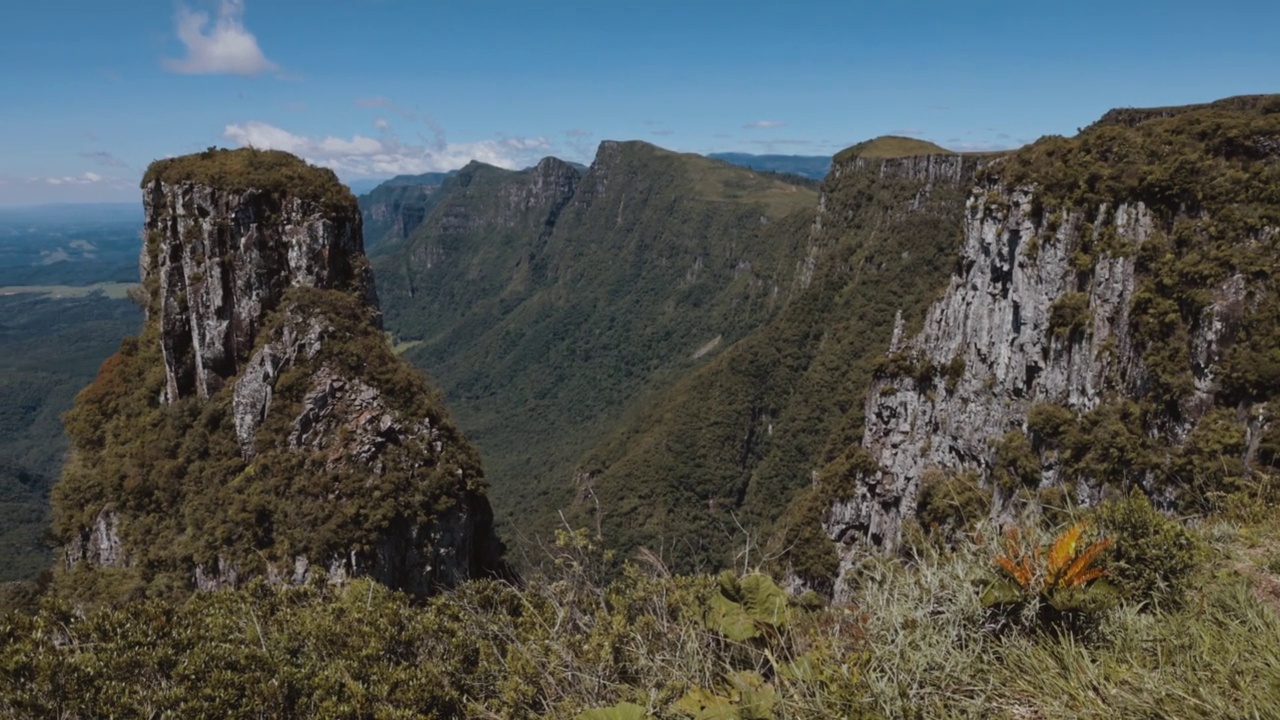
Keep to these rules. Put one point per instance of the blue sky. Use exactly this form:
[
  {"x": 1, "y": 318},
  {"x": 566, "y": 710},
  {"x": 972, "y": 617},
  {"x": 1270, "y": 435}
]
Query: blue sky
[{"x": 94, "y": 91}]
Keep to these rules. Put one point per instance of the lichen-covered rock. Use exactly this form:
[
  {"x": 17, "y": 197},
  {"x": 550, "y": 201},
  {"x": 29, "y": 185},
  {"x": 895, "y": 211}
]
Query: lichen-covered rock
[{"x": 261, "y": 426}]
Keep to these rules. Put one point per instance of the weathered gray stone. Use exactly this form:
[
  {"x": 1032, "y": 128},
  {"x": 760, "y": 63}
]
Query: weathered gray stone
[
  {"x": 995, "y": 315},
  {"x": 222, "y": 261},
  {"x": 99, "y": 544}
]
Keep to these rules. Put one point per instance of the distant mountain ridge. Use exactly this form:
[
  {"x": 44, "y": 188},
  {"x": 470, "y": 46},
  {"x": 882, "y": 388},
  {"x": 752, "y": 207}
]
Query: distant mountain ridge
[
  {"x": 392, "y": 210},
  {"x": 755, "y": 418},
  {"x": 814, "y": 167}
]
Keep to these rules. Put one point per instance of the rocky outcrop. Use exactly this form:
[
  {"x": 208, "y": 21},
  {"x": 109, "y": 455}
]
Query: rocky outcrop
[
  {"x": 286, "y": 436},
  {"x": 1040, "y": 309},
  {"x": 223, "y": 258},
  {"x": 394, "y": 210},
  {"x": 995, "y": 322},
  {"x": 99, "y": 543}
]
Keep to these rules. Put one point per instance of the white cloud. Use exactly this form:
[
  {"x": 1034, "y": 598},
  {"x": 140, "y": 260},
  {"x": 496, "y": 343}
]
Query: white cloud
[
  {"x": 759, "y": 124},
  {"x": 358, "y": 145},
  {"x": 381, "y": 124},
  {"x": 267, "y": 137},
  {"x": 223, "y": 47},
  {"x": 362, "y": 156}
]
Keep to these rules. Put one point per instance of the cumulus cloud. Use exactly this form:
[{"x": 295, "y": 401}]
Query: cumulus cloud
[
  {"x": 381, "y": 124},
  {"x": 221, "y": 46},
  {"x": 362, "y": 156},
  {"x": 104, "y": 158},
  {"x": 764, "y": 124}
]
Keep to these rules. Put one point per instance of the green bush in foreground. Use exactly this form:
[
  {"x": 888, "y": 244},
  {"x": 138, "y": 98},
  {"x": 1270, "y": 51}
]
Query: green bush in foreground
[
  {"x": 1153, "y": 557},
  {"x": 910, "y": 640}
]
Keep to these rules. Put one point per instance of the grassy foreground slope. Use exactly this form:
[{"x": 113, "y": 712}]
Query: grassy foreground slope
[{"x": 915, "y": 640}]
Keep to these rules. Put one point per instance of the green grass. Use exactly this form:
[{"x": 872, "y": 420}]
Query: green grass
[
  {"x": 274, "y": 171},
  {"x": 910, "y": 640},
  {"x": 719, "y": 181},
  {"x": 891, "y": 146},
  {"x": 933, "y": 651}
]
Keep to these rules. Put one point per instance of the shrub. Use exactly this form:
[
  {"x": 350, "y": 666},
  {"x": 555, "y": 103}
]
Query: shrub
[
  {"x": 1048, "y": 423},
  {"x": 950, "y": 503},
  {"x": 1153, "y": 557},
  {"x": 953, "y": 371},
  {"x": 1069, "y": 315},
  {"x": 1209, "y": 466},
  {"x": 1016, "y": 462}
]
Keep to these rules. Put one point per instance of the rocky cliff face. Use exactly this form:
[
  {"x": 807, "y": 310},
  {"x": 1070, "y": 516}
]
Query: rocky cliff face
[
  {"x": 995, "y": 323},
  {"x": 260, "y": 426},
  {"x": 394, "y": 209},
  {"x": 1087, "y": 341},
  {"x": 223, "y": 260}
]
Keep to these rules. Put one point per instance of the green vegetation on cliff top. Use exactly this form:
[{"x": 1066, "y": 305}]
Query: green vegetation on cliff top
[
  {"x": 273, "y": 171},
  {"x": 914, "y": 640},
  {"x": 890, "y": 146}
]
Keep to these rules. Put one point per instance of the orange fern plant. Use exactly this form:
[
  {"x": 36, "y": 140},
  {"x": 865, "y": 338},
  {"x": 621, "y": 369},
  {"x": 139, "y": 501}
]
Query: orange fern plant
[{"x": 1056, "y": 573}]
